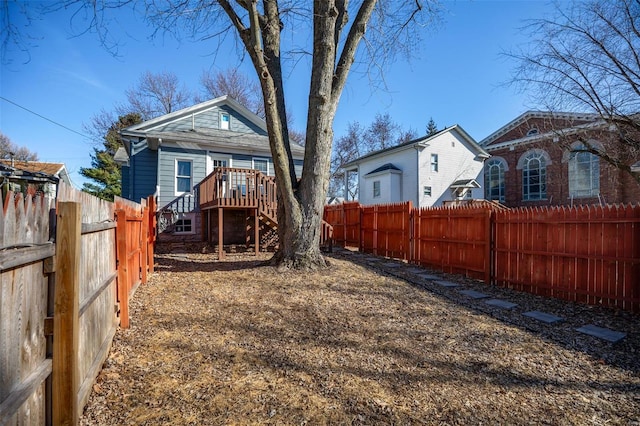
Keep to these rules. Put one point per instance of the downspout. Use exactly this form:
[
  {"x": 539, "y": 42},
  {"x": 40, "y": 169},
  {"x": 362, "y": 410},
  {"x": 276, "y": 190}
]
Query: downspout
[
  {"x": 132, "y": 160},
  {"x": 158, "y": 168},
  {"x": 417, "y": 148}
]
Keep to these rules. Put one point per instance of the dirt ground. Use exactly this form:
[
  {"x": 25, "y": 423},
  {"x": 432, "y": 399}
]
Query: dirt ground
[{"x": 235, "y": 342}]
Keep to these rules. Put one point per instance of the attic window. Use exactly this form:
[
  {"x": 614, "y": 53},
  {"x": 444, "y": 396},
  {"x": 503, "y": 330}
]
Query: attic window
[
  {"x": 224, "y": 121},
  {"x": 532, "y": 131}
]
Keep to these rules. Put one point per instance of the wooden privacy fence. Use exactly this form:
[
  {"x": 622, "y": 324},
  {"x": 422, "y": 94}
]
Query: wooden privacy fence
[
  {"x": 59, "y": 302},
  {"x": 456, "y": 241},
  {"x": 583, "y": 254},
  {"x": 385, "y": 230},
  {"x": 135, "y": 238}
]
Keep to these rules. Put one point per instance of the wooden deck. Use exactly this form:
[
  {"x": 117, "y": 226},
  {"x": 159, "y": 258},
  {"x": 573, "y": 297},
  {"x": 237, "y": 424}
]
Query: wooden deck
[
  {"x": 229, "y": 187},
  {"x": 234, "y": 188}
]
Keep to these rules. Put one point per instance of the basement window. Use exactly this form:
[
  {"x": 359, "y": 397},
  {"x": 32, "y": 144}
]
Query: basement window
[{"x": 184, "y": 225}]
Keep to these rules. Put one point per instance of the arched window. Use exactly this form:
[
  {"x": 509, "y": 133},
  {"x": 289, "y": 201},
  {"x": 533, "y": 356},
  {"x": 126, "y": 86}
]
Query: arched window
[
  {"x": 584, "y": 172},
  {"x": 534, "y": 175},
  {"x": 494, "y": 179}
]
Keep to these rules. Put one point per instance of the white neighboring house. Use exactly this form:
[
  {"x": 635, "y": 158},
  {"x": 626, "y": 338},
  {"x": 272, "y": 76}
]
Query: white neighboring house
[{"x": 428, "y": 171}]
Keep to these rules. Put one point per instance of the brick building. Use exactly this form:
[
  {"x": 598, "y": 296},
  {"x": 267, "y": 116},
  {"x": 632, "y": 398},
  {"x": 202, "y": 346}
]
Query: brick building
[{"x": 538, "y": 159}]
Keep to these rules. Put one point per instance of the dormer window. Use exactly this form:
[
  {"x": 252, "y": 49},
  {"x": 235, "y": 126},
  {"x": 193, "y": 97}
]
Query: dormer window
[{"x": 532, "y": 131}]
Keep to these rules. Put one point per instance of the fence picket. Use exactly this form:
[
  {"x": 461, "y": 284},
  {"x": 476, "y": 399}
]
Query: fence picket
[{"x": 587, "y": 254}]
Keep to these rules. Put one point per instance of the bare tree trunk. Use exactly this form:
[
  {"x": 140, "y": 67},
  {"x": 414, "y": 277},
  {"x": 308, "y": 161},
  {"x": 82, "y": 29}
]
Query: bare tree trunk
[{"x": 301, "y": 205}]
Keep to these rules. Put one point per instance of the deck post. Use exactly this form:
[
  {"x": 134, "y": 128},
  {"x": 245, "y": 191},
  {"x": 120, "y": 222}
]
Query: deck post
[
  {"x": 220, "y": 234},
  {"x": 256, "y": 230}
]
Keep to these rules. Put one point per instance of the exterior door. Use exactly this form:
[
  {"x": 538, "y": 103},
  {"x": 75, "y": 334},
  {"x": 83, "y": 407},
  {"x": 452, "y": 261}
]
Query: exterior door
[{"x": 217, "y": 160}]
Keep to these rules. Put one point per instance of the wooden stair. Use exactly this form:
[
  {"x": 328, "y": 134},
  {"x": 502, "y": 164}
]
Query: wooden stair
[
  {"x": 236, "y": 188},
  {"x": 268, "y": 232}
]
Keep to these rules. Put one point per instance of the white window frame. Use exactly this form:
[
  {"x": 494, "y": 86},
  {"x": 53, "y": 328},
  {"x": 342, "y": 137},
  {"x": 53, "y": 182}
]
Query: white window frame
[
  {"x": 434, "y": 163},
  {"x": 176, "y": 176},
  {"x": 192, "y": 224},
  {"x": 377, "y": 192},
  {"x": 501, "y": 166},
  {"x": 222, "y": 115},
  {"x": 214, "y": 156},
  {"x": 542, "y": 176},
  {"x": 427, "y": 191},
  {"x": 253, "y": 164},
  {"x": 593, "y": 171}
]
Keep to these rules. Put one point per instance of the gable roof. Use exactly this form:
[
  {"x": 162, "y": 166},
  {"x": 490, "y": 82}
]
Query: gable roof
[
  {"x": 34, "y": 171},
  {"x": 156, "y": 130},
  {"x": 423, "y": 141},
  {"x": 524, "y": 117},
  {"x": 186, "y": 112},
  {"x": 52, "y": 169},
  {"x": 465, "y": 183}
]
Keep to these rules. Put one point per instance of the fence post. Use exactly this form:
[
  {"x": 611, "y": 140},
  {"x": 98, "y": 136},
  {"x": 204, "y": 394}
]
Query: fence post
[
  {"x": 151, "y": 202},
  {"x": 409, "y": 240},
  {"x": 65, "y": 381},
  {"x": 144, "y": 243},
  {"x": 489, "y": 252},
  {"x": 360, "y": 231},
  {"x": 123, "y": 266}
]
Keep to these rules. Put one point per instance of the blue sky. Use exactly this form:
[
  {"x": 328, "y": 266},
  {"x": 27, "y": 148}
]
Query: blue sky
[{"x": 457, "y": 77}]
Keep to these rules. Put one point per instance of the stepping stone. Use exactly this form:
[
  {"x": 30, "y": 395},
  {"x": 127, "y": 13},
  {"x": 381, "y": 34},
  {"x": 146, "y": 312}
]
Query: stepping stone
[
  {"x": 474, "y": 294},
  {"x": 414, "y": 270},
  {"x": 501, "y": 303},
  {"x": 371, "y": 259},
  {"x": 430, "y": 277},
  {"x": 602, "y": 333},
  {"x": 446, "y": 283},
  {"x": 543, "y": 316},
  {"x": 391, "y": 265}
]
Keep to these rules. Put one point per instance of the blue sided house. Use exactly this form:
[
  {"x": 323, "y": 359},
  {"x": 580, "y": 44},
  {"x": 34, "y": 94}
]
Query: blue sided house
[{"x": 210, "y": 166}]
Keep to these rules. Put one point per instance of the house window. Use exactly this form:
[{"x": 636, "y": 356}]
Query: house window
[
  {"x": 261, "y": 165},
  {"x": 183, "y": 176},
  {"x": 532, "y": 131},
  {"x": 434, "y": 162},
  {"x": 463, "y": 194},
  {"x": 184, "y": 225},
  {"x": 219, "y": 163},
  {"x": 426, "y": 191},
  {"x": 494, "y": 183},
  {"x": 225, "y": 119},
  {"x": 376, "y": 188},
  {"x": 534, "y": 176},
  {"x": 584, "y": 173}
]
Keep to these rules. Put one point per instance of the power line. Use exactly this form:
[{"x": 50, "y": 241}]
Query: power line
[{"x": 45, "y": 118}]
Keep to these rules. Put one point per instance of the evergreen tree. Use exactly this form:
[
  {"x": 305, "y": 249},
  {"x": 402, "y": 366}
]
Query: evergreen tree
[
  {"x": 105, "y": 172},
  {"x": 432, "y": 128}
]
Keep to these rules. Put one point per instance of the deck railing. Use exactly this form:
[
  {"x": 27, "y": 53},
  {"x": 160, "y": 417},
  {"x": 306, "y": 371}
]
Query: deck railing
[
  {"x": 246, "y": 188},
  {"x": 241, "y": 188}
]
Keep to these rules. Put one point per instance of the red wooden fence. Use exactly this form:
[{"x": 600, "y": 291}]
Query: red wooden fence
[
  {"x": 386, "y": 230},
  {"x": 352, "y": 218},
  {"x": 334, "y": 215},
  {"x": 453, "y": 240},
  {"x": 135, "y": 238},
  {"x": 583, "y": 254}
]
